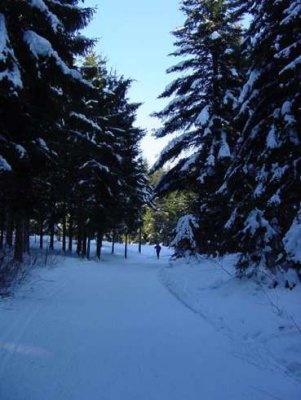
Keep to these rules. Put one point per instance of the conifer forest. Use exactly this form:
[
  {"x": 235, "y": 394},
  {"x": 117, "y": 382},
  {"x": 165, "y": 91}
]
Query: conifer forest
[
  {"x": 70, "y": 157},
  {"x": 127, "y": 275}
]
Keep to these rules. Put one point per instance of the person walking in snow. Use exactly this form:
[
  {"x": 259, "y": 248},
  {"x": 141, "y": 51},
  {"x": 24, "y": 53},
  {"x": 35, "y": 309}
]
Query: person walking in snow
[{"x": 158, "y": 249}]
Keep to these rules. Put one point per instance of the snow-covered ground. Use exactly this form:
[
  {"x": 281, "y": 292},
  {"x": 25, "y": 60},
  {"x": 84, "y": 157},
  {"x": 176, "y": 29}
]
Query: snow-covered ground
[
  {"x": 147, "y": 329},
  {"x": 264, "y": 323}
]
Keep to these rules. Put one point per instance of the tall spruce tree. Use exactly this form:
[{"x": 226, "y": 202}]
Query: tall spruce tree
[
  {"x": 201, "y": 111},
  {"x": 135, "y": 190},
  {"x": 264, "y": 178},
  {"x": 39, "y": 42}
]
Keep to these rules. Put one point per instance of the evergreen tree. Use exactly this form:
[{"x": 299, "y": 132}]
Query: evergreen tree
[
  {"x": 39, "y": 42},
  {"x": 201, "y": 112},
  {"x": 264, "y": 178},
  {"x": 160, "y": 219},
  {"x": 184, "y": 241},
  {"x": 135, "y": 190}
]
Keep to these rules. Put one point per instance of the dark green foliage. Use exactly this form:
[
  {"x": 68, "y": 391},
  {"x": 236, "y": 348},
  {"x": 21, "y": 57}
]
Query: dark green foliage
[
  {"x": 202, "y": 110},
  {"x": 160, "y": 220},
  {"x": 267, "y": 165},
  {"x": 236, "y": 110},
  {"x": 69, "y": 151}
]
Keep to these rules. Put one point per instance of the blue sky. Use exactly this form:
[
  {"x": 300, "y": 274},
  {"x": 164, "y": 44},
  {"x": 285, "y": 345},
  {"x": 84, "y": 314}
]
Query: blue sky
[{"x": 135, "y": 37}]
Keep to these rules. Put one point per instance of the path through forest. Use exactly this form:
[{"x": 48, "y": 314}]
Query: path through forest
[{"x": 112, "y": 331}]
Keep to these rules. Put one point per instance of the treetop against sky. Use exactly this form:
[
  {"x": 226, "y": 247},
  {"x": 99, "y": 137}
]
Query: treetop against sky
[{"x": 135, "y": 36}]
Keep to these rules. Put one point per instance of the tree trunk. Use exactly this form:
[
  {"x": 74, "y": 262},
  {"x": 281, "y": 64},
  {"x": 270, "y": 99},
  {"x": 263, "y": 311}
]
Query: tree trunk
[
  {"x": 2, "y": 227},
  {"x": 9, "y": 229},
  {"x": 88, "y": 248},
  {"x": 19, "y": 239},
  {"x": 26, "y": 238},
  {"x": 64, "y": 233},
  {"x": 113, "y": 241},
  {"x": 79, "y": 242},
  {"x": 140, "y": 239},
  {"x": 84, "y": 249},
  {"x": 1, "y": 237},
  {"x": 70, "y": 234},
  {"x": 126, "y": 246},
  {"x": 51, "y": 229},
  {"x": 99, "y": 244},
  {"x": 41, "y": 233}
]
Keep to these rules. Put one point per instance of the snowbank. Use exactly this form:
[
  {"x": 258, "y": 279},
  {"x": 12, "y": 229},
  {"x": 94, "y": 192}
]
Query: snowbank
[{"x": 264, "y": 323}]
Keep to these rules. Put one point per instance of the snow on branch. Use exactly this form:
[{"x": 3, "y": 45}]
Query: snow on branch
[
  {"x": 203, "y": 117},
  {"x": 4, "y": 165},
  {"x": 292, "y": 65},
  {"x": 190, "y": 162},
  {"x": 292, "y": 239},
  {"x": 88, "y": 121},
  {"x": 185, "y": 239},
  {"x": 7, "y": 56},
  {"x": 41, "y": 47},
  {"x": 255, "y": 222},
  {"x": 173, "y": 149},
  {"x": 97, "y": 165},
  {"x": 41, "y": 6},
  {"x": 249, "y": 86},
  {"x": 292, "y": 12}
]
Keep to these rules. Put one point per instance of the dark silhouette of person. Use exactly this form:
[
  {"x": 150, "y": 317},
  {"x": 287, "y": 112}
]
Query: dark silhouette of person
[{"x": 158, "y": 249}]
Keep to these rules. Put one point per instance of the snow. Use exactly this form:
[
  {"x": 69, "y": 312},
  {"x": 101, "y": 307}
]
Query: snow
[
  {"x": 292, "y": 239},
  {"x": 278, "y": 171},
  {"x": 40, "y": 5},
  {"x": 178, "y": 66},
  {"x": 224, "y": 150},
  {"x": 204, "y": 116},
  {"x": 275, "y": 200},
  {"x": 259, "y": 190},
  {"x": 13, "y": 75},
  {"x": 256, "y": 221},
  {"x": 95, "y": 164},
  {"x": 262, "y": 324},
  {"x": 41, "y": 142},
  {"x": 41, "y": 47},
  {"x": 248, "y": 87},
  {"x": 229, "y": 97},
  {"x": 184, "y": 231},
  {"x": 4, "y": 165},
  {"x": 210, "y": 161},
  {"x": 215, "y": 35},
  {"x": 229, "y": 51},
  {"x": 286, "y": 111},
  {"x": 173, "y": 148},
  {"x": 272, "y": 141},
  {"x": 83, "y": 118},
  {"x": 234, "y": 72},
  {"x": 190, "y": 162},
  {"x": 231, "y": 221},
  {"x": 148, "y": 329},
  {"x": 292, "y": 12},
  {"x": 292, "y": 65},
  {"x": 20, "y": 149}
]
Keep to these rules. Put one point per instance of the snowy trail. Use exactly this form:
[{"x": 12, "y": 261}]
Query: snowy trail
[{"x": 112, "y": 331}]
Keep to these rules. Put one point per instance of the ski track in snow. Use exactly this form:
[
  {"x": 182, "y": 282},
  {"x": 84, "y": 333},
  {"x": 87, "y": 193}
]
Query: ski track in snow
[
  {"x": 112, "y": 331},
  {"x": 246, "y": 348}
]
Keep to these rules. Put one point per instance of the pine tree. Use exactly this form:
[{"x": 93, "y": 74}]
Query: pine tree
[
  {"x": 40, "y": 43},
  {"x": 134, "y": 191},
  {"x": 201, "y": 111},
  {"x": 161, "y": 217},
  {"x": 184, "y": 242},
  {"x": 265, "y": 176}
]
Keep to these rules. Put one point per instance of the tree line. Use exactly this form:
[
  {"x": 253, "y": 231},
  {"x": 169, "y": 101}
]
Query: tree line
[
  {"x": 235, "y": 110},
  {"x": 69, "y": 147}
]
